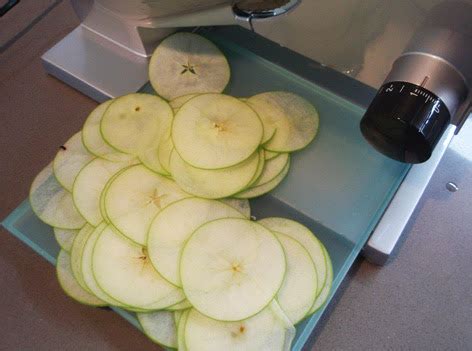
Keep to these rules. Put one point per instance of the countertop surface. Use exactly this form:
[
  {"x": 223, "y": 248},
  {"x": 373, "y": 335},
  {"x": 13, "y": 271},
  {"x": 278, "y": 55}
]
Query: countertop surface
[{"x": 421, "y": 300}]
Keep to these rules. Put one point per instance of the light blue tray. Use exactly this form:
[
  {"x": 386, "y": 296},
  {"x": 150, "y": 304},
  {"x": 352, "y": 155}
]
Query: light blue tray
[{"x": 338, "y": 186}]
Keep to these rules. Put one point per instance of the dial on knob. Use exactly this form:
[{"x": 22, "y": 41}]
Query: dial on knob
[{"x": 405, "y": 121}]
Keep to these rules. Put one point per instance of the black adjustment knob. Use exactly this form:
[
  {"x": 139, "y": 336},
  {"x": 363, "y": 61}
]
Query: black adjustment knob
[{"x": 405, "y": 121}]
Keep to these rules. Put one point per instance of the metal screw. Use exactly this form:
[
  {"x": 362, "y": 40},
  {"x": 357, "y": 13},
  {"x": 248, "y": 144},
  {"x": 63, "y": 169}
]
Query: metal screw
[{"x": 452, "y": 187}]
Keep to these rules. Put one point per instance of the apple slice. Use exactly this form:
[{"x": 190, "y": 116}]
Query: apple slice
[
  {"x": 213, "y": 131},
  {"x": 89, "y": 184},
  {"x": 52, "y": 203},
  {"x": 164, "y": 152},
  {"x": 135, "y": 122},
  {"x": 92, "y": 137},
  {"x": 294, "y": 119},
  {"x": 70, "y": 286},
  {"x": 215, "y": 183},
  {"x": 87, "y": 271},
  {"x": 76, "y": 254},
  {"x": 324, "y": 293},
  {"x": 150, "y": 158},
  {"x": 266, "y": 331},
  {"x": 69, "y": 160},
  {"x": 260, "y": 168},
  {"x": 271, "y": 117},
  {"x": 272, "y": 169},
  {"x": 65, "y": 237},
  {"x": 103, "y": 211},
  {"x": 134, "y": 198},
  {"x": 256, "y": 191},
  {"x": 232, "y": 268},
  {"x": 298, "y": 291},
  {"x": 265, "y": 114},
  {"x": 160, "y": 327},
  {"x": 181, "y": 345},
  {"x": 173, "y": 226},
  {"x": 186, "y": 63},
  {"x": 305, "y": 237},
  {"x": 123, "y": 270}
]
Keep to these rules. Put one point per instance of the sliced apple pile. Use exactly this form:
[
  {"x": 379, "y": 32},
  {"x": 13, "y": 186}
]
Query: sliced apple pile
[
  {"x": 149, "y": 206},
  {"x": 216, "y": 138}
]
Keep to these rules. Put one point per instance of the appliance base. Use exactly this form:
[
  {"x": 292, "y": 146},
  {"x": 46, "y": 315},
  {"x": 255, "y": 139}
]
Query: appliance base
[{"x": 96, "y": 66}]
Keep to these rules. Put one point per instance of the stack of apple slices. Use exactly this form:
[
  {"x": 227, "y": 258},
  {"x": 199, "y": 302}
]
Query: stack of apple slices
[
  {"x": 235, "y": 272},
  {"x": 149, "y": 205},
  {"x": 168, "y": 256},
  {"x": 202, "y": 263},
  {"x": 223, "y": 146}
]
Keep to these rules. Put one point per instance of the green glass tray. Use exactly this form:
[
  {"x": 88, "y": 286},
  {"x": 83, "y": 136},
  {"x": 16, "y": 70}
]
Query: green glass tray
[{"x": 338, "y": 186}]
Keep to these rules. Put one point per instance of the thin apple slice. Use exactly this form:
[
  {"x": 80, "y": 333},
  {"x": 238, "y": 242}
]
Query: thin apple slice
[
  {"x": 260, "y": 168},
  {"x": 52, "y": 203},
  {"x": 272, "y": 169},
  {"x": 215, "y": 183},
  {"x": 103, "y": 211},
  {"x": 181, "y": 345},
  {"x": 174, "y": 225},
  {"x": 150, "y": 158},
  {"x": 187, "y": 63},
  {"x": 264, "y": 113},
  {"x": 134, "y": 198},
  {"x": 76, "y": 254},
  {"x": 123, "y": 270},
  {"x": 298, "y": 291},
  {"x": 69, "y": 160},
  {"x": 294, "y": 119},
  {"x": 305, "y": 237},
  {"x": 102, "y": 197},
  {"x": 232, "y": 268},
  {"x": 256, "y": 191},
  {"x": 213, "y": 131},
  {"x": 160, "y": 327},
  {"x": 164, "y": 152},
  {"x": 93, "y": 140},
  {"x": 70, "y": 286},
  {"x": 65, "y": 237},
  {"x": 87, "y": 270},
  {"x": 266, "y": 331},
  {"x": 135, "y": 122},
  {"x": 89, "y": 185},
  {"x": 324, "y": 293},
  {"x": 271, "y": 117}
]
